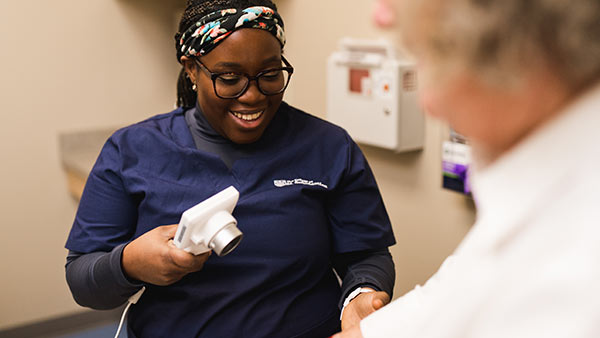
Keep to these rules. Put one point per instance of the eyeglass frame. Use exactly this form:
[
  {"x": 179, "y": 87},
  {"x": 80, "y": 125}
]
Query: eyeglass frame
[{"x": 213, "y": 76}]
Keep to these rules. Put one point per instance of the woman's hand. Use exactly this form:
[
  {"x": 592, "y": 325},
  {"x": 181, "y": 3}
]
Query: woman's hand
[
  {"x": 362, "y": 306},
  {"x": 154, "y": 259}
]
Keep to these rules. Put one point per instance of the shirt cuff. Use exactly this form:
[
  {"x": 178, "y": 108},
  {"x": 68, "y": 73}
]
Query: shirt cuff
[{"x": 115, "y": 266}]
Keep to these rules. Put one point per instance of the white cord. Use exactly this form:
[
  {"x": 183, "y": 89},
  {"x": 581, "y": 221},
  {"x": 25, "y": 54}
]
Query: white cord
[
  {"x": 122, "y": 319},
  {"x": 132, "y": 300}
]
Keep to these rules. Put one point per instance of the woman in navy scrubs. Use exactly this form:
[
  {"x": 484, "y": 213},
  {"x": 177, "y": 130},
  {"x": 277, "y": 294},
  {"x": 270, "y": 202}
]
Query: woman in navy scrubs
[{"x": 309, "y": 204}]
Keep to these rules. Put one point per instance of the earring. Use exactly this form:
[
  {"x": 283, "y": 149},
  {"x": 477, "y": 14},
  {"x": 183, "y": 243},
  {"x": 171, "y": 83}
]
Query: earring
[{"x": 194, "y": 87}]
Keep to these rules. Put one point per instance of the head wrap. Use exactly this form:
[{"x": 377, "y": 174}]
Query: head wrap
[{"x": 206, "y": 34}]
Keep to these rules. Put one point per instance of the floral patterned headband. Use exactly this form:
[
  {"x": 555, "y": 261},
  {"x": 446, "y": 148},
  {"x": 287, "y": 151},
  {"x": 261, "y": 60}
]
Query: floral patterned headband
[{"x": 206, "y": 34}]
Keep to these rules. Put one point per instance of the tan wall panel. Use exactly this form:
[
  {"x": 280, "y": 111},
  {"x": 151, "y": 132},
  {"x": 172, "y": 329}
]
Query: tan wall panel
[{"x": 66, "y": 65}]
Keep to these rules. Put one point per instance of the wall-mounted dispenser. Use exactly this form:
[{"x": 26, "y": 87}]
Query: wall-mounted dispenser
[{"x": 373, "y": 95}]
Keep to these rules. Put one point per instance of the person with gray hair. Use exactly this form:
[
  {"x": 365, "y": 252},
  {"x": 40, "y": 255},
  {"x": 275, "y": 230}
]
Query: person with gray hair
[{"x": 521, "y": 80}]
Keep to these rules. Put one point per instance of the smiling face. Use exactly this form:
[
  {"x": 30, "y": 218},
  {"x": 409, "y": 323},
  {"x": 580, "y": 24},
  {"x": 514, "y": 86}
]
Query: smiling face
[{"x": 244, "y": 119}]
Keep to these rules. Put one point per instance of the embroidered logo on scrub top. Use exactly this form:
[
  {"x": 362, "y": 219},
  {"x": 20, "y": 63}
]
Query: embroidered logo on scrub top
[{"x": 300, "y": 181}]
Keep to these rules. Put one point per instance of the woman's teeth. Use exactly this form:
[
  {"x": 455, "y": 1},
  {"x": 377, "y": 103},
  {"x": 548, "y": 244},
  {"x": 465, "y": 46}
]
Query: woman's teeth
[{"x": 247, "y": 117}]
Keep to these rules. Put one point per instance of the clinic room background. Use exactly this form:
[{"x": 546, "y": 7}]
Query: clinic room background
[{"x": 76, "y": 66}]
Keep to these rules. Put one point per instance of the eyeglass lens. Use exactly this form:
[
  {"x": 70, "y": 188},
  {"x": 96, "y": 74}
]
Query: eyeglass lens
[{"x": 269, "y": 83}]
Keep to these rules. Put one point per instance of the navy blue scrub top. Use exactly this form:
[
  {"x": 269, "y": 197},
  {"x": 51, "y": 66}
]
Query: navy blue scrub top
[{"x": 306, "y": 193}]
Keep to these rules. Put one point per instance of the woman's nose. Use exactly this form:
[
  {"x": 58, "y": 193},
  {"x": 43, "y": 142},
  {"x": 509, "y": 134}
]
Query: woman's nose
[{"x": 252, "y": 94}]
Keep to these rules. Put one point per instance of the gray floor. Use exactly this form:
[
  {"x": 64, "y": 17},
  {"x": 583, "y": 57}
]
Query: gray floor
[
  {"x": 102, "y": 331},
  {"x": 86, "y": 324}
]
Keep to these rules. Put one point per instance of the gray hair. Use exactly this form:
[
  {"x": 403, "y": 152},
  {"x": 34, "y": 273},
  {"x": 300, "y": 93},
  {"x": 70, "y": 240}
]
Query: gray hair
[{"x": 500, "y": 38}]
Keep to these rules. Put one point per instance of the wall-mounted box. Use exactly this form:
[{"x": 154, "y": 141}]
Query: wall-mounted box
[{"x": 373, "y": 95}]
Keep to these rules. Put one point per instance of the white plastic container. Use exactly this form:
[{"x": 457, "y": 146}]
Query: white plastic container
[{"x": 373, "y": 95}]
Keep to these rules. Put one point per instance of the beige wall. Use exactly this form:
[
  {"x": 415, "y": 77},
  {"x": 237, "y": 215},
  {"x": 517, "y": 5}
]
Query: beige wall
[
  {"x": 428, "y": 221},
  {"x": 73, "y": 65},
  {"x": 66, "y": 65}
]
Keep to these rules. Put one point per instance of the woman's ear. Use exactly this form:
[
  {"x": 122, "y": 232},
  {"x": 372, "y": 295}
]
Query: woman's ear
[{"x": 190, "y": 68}]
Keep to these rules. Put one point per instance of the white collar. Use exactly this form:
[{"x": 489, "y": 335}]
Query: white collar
[{"x": 536, "y": 169}]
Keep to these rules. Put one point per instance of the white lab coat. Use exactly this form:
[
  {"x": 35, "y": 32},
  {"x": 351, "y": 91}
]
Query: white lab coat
[{"x": 530, "y": 266}]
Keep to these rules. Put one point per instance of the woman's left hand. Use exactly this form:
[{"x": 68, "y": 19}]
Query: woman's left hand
[{"x": 362, "y": 306}]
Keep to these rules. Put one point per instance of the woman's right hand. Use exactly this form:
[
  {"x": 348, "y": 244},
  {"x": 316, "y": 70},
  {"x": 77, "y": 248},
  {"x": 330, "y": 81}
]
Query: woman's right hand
[{"x": 154, "y": 259}]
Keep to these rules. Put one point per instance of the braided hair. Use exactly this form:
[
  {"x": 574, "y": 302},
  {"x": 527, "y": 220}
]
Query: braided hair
[{"x": 196, "y": 9}]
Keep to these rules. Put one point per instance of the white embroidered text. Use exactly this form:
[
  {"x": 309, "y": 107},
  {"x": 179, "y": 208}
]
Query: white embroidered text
[{"x": 300, "y": 181}]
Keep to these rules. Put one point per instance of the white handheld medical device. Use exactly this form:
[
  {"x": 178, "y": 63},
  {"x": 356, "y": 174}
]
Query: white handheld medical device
[{"x": 209, "y": 225}]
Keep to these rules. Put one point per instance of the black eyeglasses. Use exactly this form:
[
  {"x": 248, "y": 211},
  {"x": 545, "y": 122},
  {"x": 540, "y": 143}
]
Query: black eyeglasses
[{"x": 231, "y": 85}]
